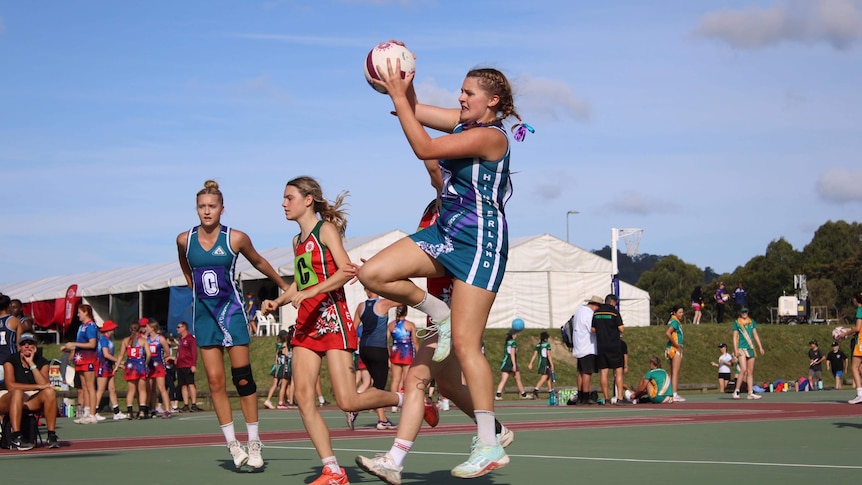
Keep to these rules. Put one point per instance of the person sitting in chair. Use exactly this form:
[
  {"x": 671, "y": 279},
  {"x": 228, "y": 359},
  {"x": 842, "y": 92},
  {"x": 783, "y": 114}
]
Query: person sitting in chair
[{"x": 27, "y": 389}]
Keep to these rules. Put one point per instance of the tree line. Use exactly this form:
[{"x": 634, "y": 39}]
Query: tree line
[{"x": 831, "y": 262}]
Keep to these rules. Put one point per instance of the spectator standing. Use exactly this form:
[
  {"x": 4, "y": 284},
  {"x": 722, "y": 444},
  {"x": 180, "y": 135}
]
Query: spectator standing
[
  {"x": 815, "y": 365},
  {"x": 724, "y": 363},
  {"x": 156, "y": 371},
  {"x": 744, "y": 338},
  {"x": 251, "y": 308},
  {"x": 740, "y": 297},
  {"x": 673, "y": 349},
  {"x": 402, "y": 334},
  {"x": 584, "y": 346},
  {"x": 105, "y": 373},
  {"x": 10, "y": 326},
  {"x": 373, "y": 349},
  {"x": 697, "y": 305},
  {"x": 27, "y": 389},
  {"x": 836, "y": 361},
  {"x": 856, "y": 359},
  {"x": 721, "y": 298},
  {"x": 134, "y": 358},
  {"x": 86, "y": 360},
  {"x": 608, "y": 327},
  {"x": 187, "y": 366}
]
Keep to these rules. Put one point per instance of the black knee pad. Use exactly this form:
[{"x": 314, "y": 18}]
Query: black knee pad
[{"x": 243, "y": 380}]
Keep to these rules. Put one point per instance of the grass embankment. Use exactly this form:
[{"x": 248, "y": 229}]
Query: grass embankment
[{"x": 786, "y": 355}]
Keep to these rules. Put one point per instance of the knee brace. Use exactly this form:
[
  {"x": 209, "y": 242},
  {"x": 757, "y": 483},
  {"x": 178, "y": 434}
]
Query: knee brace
[{"x": 243, "y": 380}]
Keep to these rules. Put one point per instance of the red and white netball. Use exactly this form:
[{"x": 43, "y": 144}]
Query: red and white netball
[{"x": 380, "y": 54}]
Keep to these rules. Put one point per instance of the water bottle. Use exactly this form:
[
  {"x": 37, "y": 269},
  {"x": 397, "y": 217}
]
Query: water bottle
[
  {"x": 819, "y": 385},
  {"x": 71, "y": 410},
  {"x": 771, "y": 388},
  {"x": 552, "y": 398},
  {"x": 62, "y": 410},
  {"x": 553, "y": 376}
]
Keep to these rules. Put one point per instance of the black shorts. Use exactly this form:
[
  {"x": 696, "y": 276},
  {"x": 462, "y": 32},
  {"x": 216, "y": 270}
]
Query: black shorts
[
  {"x": 376, "y": 360},
  {"x": 587, "y": 364},
  {"x": 610, "y": 361},
  {"x": 724, "y": 375},
  {"x": 185, "y": 376}
]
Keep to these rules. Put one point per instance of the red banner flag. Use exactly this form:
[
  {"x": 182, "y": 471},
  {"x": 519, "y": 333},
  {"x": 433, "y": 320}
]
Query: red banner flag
[{"x": 68, "y": 316}]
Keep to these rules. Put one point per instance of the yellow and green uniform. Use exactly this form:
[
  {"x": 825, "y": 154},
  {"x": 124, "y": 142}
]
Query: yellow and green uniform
[
  {"x": 661, "y": 388},
  {"x": 745, "y": 327},
  {"x": 669, "y": 350}
]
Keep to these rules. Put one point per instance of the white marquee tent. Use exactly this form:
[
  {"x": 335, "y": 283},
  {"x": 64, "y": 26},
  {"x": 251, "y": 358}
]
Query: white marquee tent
[{"x": 546, "y": 279}]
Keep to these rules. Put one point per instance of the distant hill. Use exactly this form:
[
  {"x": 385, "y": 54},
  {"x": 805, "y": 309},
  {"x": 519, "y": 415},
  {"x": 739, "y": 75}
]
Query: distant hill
[{"x": 631, "y": 268}]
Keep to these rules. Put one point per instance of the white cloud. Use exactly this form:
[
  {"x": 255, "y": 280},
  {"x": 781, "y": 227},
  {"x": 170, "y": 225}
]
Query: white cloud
[
  {"x": 263, "y": 86},
  {"x": 550, "y": 98},
  {"x": 836, "y": 22},
  {"x": 637, "y": 203},
  {"x": 840, "y": 185},
  {"x": 429, "y": 92}
]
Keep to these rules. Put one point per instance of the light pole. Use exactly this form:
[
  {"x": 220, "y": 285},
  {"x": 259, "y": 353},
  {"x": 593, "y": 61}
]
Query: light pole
[{"x": 567, "y": 222}]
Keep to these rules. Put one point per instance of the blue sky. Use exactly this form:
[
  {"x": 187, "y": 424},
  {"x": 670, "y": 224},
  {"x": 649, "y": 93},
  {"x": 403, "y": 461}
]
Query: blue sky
[{"x": 715, "y": 127}]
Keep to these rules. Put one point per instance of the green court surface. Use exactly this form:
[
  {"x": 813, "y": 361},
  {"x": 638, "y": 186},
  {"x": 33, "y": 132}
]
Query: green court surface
[{"x": 710, "y": 439}]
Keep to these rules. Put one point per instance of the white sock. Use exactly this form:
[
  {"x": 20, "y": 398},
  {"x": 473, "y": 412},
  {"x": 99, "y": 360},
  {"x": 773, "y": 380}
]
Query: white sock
[
  {"x": 400, "y": 399},
  {"x": 228, "y": 432},
  {"x": 332, "y": 463},
  {"x": 320, "y": 399},
  {"x": 859, "y": 391},
  {"x": 485, "y": 427},
  {"x": 433, "y": 307},
  {"x": 399, "y": 451},
  {"x": 253, "y": 431}
]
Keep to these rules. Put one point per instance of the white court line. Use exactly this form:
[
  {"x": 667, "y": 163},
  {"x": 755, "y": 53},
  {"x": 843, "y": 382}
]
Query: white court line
[{"x": 595, "y": 458}]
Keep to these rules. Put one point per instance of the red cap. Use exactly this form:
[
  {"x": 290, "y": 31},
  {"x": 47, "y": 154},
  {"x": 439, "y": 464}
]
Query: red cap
[
  {"x": 108, "y": 325},
  {"x": 143, "y": 321}
]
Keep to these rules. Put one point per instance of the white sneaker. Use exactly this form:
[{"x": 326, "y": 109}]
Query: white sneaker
[
  {"x": 268, "y": 404},
  {"x": 99, "y": 417},
  {"x": 506, "y": 436},
  {"x": 678, "y": 398},
  {"x": 736, "y": 395},
  {"x": 754, "y": 396},
  {"x": 382, "y": 467},
  {"x": 120, "y": 416},
  {"x": 255, "y": 460},
  {"x": 855, "y": 400},
  {"x": 240, "y": 457}
]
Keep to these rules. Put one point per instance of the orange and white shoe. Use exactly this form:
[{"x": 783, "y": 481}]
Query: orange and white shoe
[{"x": 328, "y": 477}]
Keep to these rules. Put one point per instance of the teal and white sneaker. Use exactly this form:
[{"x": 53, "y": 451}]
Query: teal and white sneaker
[
  {"x": 444, "y": 340},
  {"x": 382, "y": 467},
  {"x": 483, "y": 459},
  {"x": 505, "y": 437}
]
